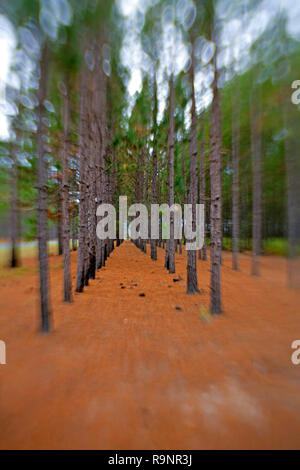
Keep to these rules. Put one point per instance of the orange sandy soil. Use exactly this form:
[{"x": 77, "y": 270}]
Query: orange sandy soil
[{"x": 121, "y": 371}]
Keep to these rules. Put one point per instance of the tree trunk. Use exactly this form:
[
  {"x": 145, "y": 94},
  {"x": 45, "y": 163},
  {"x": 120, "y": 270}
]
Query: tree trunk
[
  {"x": 42, "y": 198},
  {"x": 14, "y": 212},
  {"x": 202, "y": 186},
  {"x": 216, "y": 199},
  {"x": 255, "y": 110},
  {"x": 235, "y": 176},
  {"x": 65, "y": 199},
  {"x": 186, "y": 196},
  {"x": 171, "y": 245},
  {"x": 92, "y": 189},
  {"x": 141, "y": 188},
  {"x": 82, "y": 235},
  {"x": 154, "y": 163},
  {"x": 59, "y": 222},
  {"x": 192, "y": 281},
  {"x": 100, "y": 111}
]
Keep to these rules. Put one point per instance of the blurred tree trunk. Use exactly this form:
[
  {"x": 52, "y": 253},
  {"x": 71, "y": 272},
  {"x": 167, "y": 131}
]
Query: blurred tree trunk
[
  {"x": 100, "y": 111},
  {"x": 183, "y": 166},
  {"x": 14, "y": 211},
  {"x": 83, "y": 220},
  {"x": 113, "y": 186},
  {"x": 92, "y": 179},
  {"x": 202, "y": 186},
  {"x": 42, "y": 197},
  {"x": 139, "y": 177},
  {"x": 192, "y": 281},
  {"x": 110, "y": 158},
  {"x": 59, "y": 231},
  {"x": 255, "y": 117},
  {"x": 235, "y": 175},
  {"x": 142, "y": 190},
  {"x": 65, "y": 198},
  {"x": 59, "y": 228},
  {"x": 186, "y": 195},
  {"x": 74, "y": 208},
  {"x": 170, "y": 254},
  {"x": 154, "y": 161},
  {"x": 216, "y": 198}
]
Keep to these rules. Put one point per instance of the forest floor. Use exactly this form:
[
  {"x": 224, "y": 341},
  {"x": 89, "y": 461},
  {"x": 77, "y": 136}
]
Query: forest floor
[{"x": 125, "y": 371}]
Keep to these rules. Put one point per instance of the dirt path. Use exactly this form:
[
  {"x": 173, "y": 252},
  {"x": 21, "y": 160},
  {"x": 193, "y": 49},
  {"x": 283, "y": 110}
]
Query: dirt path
[{"x": 124, "y": 371}]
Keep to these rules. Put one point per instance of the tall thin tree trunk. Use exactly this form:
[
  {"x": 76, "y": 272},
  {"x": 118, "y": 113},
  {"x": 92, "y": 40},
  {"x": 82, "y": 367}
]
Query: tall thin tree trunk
[
  {"x": 171, "y": 244},
  {"x": 139, "y": 182},
  {"x": 113, "y": 178},
  {"x": 202, "y": 184},
  {"x": 154, "y": 162},
  {"x": 199, "y": 188},
  {"x": 14, "y": 212},
  {"x": 92, "y": 188},
  {"x": 87, "y": 234},
  {"x": 82, "y": 235},
  {"x": 73, "y": 209},
  {"x": 100, "y": 110},
  {"x": 216, "y": 199},
  {"x": 185, "y": 196},
  {"x": 255, "y": 110},
  {"x": 59, "y": 236},
  {"x": 141, "y": 191},
  {"x": 235, "y": 176},
  {"x": 184, "y": 169},
  {"x": 59, "y": 221},
  {"x": 192, "y": 281},
  {"x": 65, "y": 199},
  {"x": 42, "y": 197},
  {"x": 109, "y": 157}
]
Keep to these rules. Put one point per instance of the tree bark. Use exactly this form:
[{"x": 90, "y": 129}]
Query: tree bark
[
  {"x": 100, "y": 112},
  {"x": 216, "y": 199},
  {"x": 59, "y": 222},
  {"x": 192, "y": 281},
  {"x": 65, "y": 199},
  {"x": 235, "y": 176},
  {"x": 82, "y": 235},
  {"x": 255, "y": 110},
  {"x": 14, "y": 212},
  {"x": 139, "y": 185},
  {"x": 171, "y": 244},
  {"x": 154, "y": 162},
  {"x": 42, "y": 198},
  {"x": 92, "y": 183},
  {"x": 202, "y": 186},
  {"x": 59, "y": 233}
]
